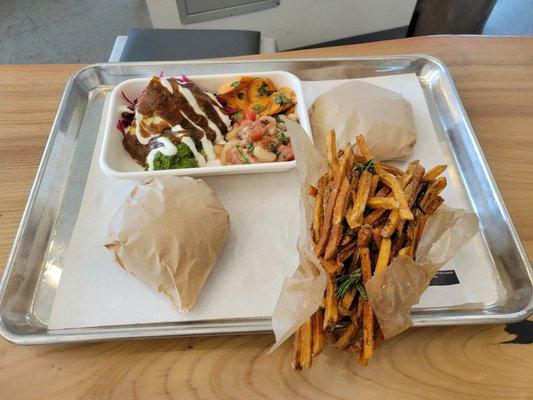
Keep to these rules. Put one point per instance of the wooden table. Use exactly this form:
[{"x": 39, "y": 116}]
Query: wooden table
[{"x": 494, "y": 76}]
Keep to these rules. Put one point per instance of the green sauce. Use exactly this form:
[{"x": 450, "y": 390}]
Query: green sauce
[{"x": 184, "y": 158}]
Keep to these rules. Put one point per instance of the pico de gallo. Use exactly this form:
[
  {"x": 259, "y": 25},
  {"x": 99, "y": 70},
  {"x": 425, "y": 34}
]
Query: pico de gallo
[{"x": 256, "y": 139}]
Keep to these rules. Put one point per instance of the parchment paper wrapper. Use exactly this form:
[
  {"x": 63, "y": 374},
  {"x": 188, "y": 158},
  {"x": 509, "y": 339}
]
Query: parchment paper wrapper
[
  {"x": 384, "y": 118},
  {"x": 169, "y": 234},
  {"x": 392, "y": 292}
]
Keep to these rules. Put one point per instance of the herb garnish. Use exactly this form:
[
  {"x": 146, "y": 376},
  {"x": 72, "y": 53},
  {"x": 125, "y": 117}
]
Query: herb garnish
[
  {"x": 250, "y": 147},
  {"x": 258, "y": 108},
  {"x": 347, "y": 282},
  {"x": 235, "y": 84},
  {"x": 237, "y": 116},
  {"x": 350, "y": 232},
  {"x": 281, "y": 99},
  {"x": 243, "y": 159},
  {"x": 272, "y": 148},
  {"x": 183, "y": 158},
  {"x": 368, "y": 166},
  {"x": 263, "y": 90},
  {"x": 282, "y": 138}
]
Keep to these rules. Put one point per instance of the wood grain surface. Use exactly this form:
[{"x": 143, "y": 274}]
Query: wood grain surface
[{"x": 494, "y": 76}]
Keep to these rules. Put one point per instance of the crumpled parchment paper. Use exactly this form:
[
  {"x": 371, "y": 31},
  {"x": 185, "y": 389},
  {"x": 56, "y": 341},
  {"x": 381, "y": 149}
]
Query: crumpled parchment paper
[
  {"x": 394, "y": 291},
  {"x": 169, "y": 234}
]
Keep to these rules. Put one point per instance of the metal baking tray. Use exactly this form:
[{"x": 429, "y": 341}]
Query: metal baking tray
[{"x": 33, "y": 269}]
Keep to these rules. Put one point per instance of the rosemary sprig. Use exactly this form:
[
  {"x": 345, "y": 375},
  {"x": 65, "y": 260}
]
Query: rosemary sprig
[
  {"x": 368, "y": 166},
  {"x": 362, "y": 290},
  {"x": 420, "y": 195},
  {"x": 263, "y": 90},
  {"x": 350, "y": 232},
  {"x": 345, "y": 283}
]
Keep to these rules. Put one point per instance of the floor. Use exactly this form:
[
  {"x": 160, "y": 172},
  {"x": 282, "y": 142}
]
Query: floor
[
  {"x": 55, "y": 31},
  {"x": 510, "y": 17}
]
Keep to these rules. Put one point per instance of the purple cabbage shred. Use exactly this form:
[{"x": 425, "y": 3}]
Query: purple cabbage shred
[
  {"x": 120, "y": 126},
  {"x": 183, "y": 79},
  {"x": 126, "y": 118},
  {"x": 132, "y": 103},
  {"x": 221, "y": 100},
  {"x": 230, "y": 110}
]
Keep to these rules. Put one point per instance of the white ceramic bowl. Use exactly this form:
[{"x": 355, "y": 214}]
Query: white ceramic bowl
[{"x": 115, "y": 161}]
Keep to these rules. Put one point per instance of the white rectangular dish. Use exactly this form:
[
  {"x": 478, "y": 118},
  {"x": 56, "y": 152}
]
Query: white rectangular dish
[{"x": 116, "y": 162}]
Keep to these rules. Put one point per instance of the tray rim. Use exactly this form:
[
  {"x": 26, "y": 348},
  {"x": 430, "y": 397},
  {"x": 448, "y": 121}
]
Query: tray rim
[{"x": 258, "y": 325}]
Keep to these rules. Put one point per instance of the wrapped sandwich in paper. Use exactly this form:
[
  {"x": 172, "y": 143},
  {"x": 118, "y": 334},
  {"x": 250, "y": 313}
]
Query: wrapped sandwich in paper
[
  {"x": 169, "y": 234},
  {"x": 391, "y": 292},
  {"x": 382, "y": 116}
]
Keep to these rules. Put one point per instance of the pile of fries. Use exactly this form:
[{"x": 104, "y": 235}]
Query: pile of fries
[{"x": 366, "y": 213}]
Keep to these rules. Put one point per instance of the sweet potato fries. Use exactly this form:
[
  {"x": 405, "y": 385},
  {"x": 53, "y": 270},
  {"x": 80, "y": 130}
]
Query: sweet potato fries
[{"x": 366, "y": 213}]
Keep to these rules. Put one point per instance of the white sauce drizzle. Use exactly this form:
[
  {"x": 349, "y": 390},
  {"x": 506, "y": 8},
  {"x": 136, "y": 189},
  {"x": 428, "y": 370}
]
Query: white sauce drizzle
[
  {"x": 192, "y": 101},
  {"x": 156, "y": 120},
  {"x": 177, "y": 128},
  {"x": 214, "y": 98},
  {"x": 187, "y": 140},
  {"x": 206, "y": 143},
  {"x": 138, "y": 119},
  {"x": 223, "y": 117},
  {"x": 168, "y": 149},
  {"x": 192, "y": 123},
  {"x": 208, "y": 148},
  {"x": 166, "y": 84},
  {"x": 124, "y": 109}
]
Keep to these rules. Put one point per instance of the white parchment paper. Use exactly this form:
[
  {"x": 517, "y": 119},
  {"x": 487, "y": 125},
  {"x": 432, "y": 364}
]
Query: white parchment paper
[
  {"x": 245, "y": 282},
  {"x": 260, "y": 251}
]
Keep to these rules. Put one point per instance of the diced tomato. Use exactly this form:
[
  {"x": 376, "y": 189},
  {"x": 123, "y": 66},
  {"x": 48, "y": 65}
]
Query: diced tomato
[
  {"x": 285, "y": 153},
  {"x": 255, "y": 136},
  {"x": 249, "y": 115},
  {"x": 257, "y": 133}
]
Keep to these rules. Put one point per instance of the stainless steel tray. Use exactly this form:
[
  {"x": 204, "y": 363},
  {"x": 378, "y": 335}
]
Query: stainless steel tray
[{"x": 32, "y": 273}]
